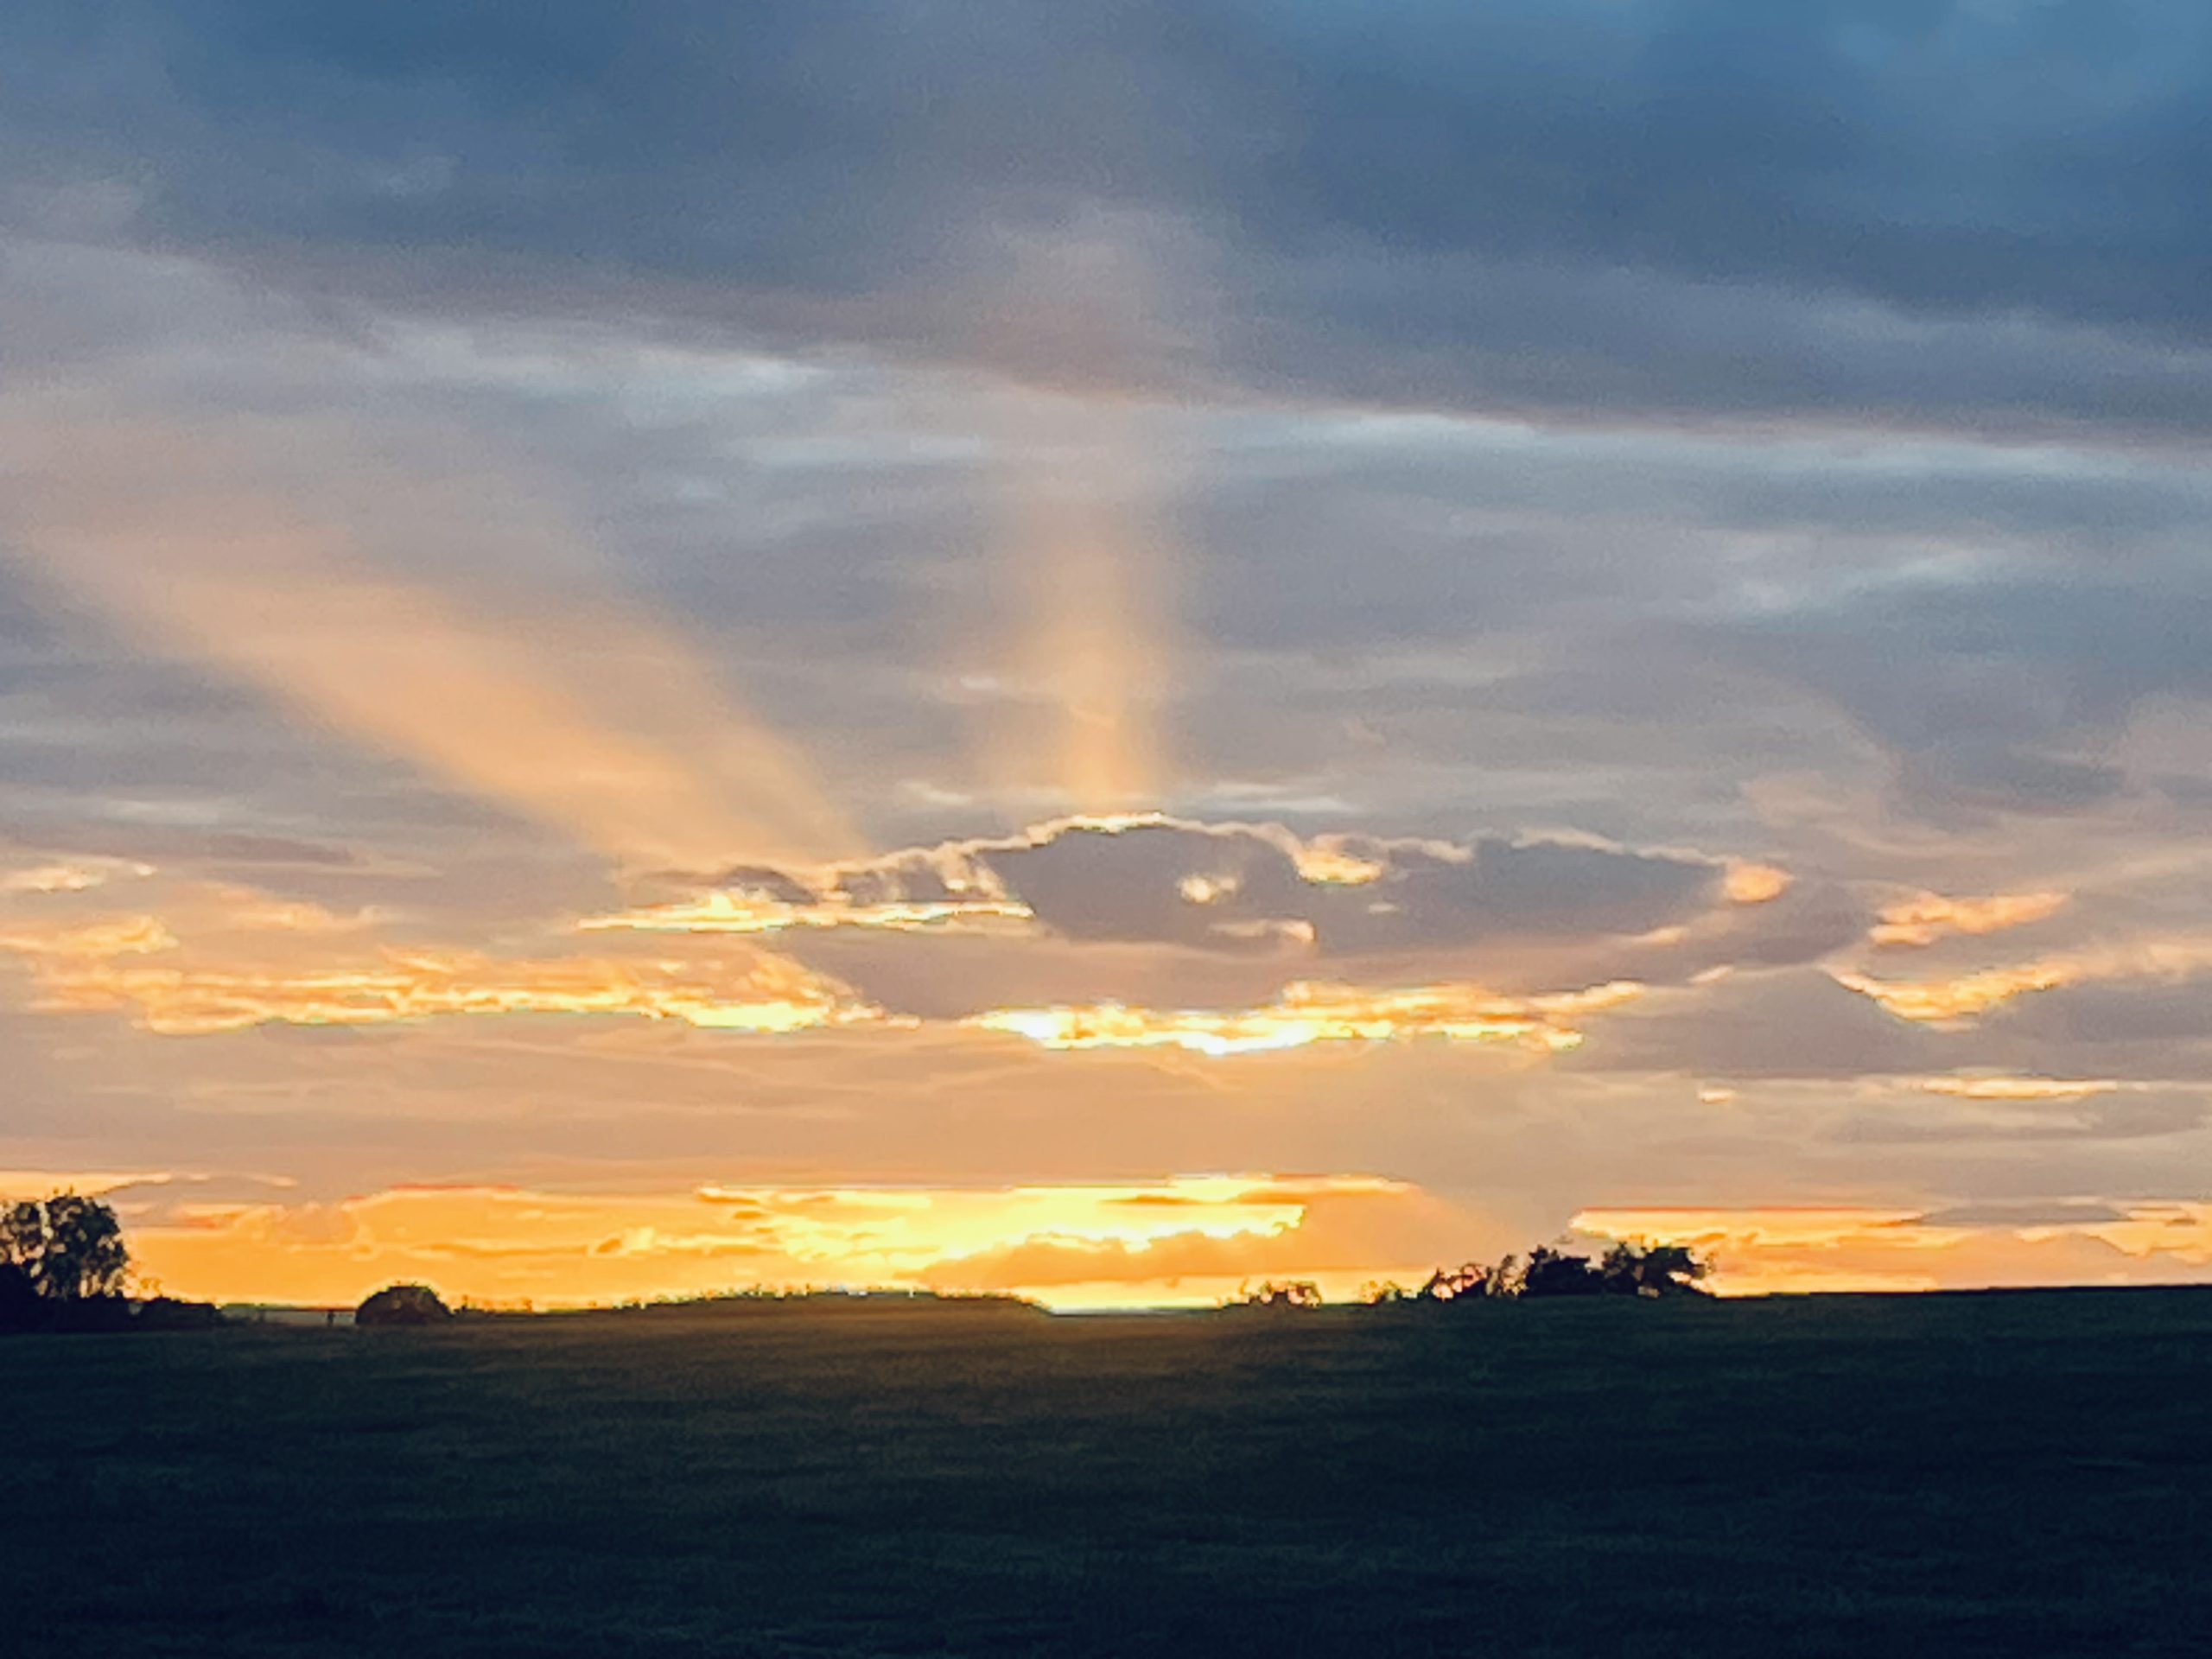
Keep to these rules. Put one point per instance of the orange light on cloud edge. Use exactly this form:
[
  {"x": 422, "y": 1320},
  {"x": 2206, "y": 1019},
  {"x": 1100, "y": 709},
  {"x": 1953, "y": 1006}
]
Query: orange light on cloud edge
[
  {"x": 1927, "y": 916},
  {"x": 139, "y": 962},
  {"x": 1308, "y": 1012}
]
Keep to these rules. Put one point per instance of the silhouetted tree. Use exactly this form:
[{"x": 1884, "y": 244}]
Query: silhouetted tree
[
  {"x": 69, "y": 1247},
  {"x": 1550, "y": 1270},
  {"x": 1654, "y": 1270},
  {"x": 1558, "y": 1273},
  {"x": 402, "y": 1305}
]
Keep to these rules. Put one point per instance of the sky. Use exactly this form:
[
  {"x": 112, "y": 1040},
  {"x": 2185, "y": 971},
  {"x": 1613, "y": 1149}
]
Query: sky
[{"x": 1106, "y": 652}]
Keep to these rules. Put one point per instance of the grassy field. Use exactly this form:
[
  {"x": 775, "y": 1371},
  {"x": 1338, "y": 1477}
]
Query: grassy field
[{"x": 2001, "y": 1475}]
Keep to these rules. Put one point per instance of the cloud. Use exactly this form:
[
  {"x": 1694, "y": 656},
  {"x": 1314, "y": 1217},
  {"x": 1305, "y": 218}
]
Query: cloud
[
  {"x": 1964, "y": 1247},
  {"x": 1786, "y": 1023},
  {"x": 225, "y": 958},
  {"x": 1984, "y": 1087},
  {"x": 1928, "y": 917},
  {"x": 19, "y": 1183},
  {"x": 1156, "y": 878},
  {"x": 1310, "y": 1013},
  {"x": 1968, "y": 995},
  {"x": 643, "y": 758},
  {"x": 1676, "y": 207},
  {"x": 1186, "y": 1239},
  {"x": 137, "y": 963},
  {"x": 460, "y": 454},
  {"x": 73, "y": 875},
  {"x": 1944, "y": 1001},
  {"x": 2011, "y": 671}
]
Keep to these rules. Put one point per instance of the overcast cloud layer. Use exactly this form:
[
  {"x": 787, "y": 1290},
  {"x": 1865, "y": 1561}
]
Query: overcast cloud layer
[{"x": 1565, "y": 615}]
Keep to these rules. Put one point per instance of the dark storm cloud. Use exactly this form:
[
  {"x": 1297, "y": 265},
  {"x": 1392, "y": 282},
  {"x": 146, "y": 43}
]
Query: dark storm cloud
[
  {"x": 1221, "y": 887},
  {"x": 1925, "y": 211}
]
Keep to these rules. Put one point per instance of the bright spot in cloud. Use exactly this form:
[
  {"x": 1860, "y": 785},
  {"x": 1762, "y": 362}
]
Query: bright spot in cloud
[
  {"x": 1307, "y": 1012},
  {"x": 1928, "y": 917}
]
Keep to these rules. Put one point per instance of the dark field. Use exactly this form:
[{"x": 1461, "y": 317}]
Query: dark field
[{"x": 2018, "y": 1474}]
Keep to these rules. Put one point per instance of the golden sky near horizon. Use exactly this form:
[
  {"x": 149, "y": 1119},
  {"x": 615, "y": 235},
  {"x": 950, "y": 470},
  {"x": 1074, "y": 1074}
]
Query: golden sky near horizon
[{"x": 965, "y": 694}]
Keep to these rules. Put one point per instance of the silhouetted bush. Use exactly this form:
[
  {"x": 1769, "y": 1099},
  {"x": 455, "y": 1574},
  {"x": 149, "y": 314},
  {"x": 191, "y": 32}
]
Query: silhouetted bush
[
  {"x": 169, "y": 1313},
  {"x": 404, "y": 1304}
]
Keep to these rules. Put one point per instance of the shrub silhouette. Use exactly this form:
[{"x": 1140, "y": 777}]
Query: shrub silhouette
[
  {"x": 169, "y": 1313},
  {"x": 402, "y": 1305},
  {"x": 68, "y": 1247},
  {"x": 1654, "y": 1270}
]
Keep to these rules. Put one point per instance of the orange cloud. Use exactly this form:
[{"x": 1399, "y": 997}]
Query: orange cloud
[
  {"x": 71, "y": 875},
  {"x": 1307, "y": 1012},
  {"x": 136, "y": 962},
  {"x": 1761, "y": 1251},
  {"x": 2023, "y": 1089},
  {"x": 1188, "y": 1240},
  {"x": 1755, "y": 884},
  {"x": 1928, "y": 917},
  {"x": 1964, "y": 996},
  {"x": 921, "y": 888},
  {"x": 738, "y": 911},
  {"x": 1940, "y": 1001}
]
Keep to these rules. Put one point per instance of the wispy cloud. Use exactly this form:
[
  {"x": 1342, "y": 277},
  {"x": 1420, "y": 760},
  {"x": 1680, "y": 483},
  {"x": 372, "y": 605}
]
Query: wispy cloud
[
  {"x": 1863, "y": 1249},
  {"x": 1929, "y": 916}
]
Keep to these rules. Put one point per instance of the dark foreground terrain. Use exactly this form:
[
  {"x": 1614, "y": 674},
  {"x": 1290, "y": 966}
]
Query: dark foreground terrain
[{"x": 1999, "y": 1475}]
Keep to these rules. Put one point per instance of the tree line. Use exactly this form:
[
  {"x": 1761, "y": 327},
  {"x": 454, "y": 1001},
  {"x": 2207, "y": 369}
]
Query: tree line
[
  {"x": 1624, "y": 1269},
  {"x": 64, "y": 1266}
]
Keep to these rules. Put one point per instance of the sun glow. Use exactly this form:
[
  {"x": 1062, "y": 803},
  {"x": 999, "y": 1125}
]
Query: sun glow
[
  {"x": 1183, "y": 1239},
  {"x": 1307, "y": 1012},
  {"x": 644, "y": 757},
  {"x": 727, "y": 911}
]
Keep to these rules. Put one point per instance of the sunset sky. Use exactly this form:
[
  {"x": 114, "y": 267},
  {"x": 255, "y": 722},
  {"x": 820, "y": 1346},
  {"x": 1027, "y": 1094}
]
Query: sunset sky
[{"x": 1106, "y": 649}]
